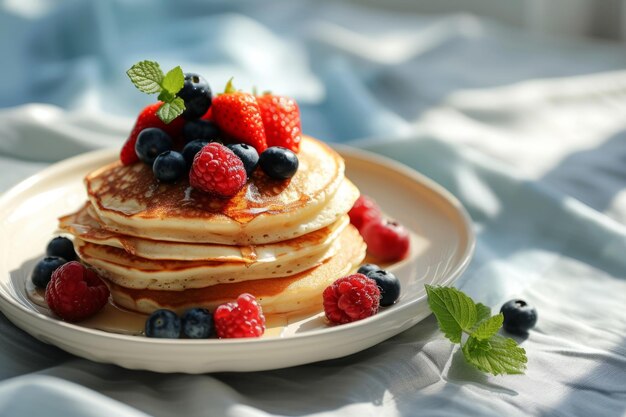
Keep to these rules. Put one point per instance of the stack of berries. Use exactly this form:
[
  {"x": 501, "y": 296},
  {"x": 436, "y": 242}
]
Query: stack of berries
[{"x": 215, "y": 142}]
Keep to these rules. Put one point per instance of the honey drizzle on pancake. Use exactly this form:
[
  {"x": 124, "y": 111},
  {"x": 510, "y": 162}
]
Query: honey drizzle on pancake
[{"x": 137, "y": 183}]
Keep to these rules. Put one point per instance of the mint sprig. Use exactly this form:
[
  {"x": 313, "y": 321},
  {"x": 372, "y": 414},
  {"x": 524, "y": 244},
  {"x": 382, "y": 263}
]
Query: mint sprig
[
  {"x": 148, "y": 77},
  {"x": 457, "y": 313},
  {"x": 171, "y": 110}
]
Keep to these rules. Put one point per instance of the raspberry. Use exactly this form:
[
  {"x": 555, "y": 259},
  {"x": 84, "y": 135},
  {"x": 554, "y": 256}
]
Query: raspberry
[
  {"x": 363, "y": 211},
  {"x": 242, "y": 318},
  {"x": 386, "y": 240},
  {"x": 218, "y": 171},
  {"x": 351, "y": 298},
  {"x": 75, "y": 292}
]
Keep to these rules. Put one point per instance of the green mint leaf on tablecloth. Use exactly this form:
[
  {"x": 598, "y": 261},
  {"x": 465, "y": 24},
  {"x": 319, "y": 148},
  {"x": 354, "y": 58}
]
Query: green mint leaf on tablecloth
[
  {"x": 169, "y": 111},
  {"x": 455, "y": 311},
  {"x": 173, "y": 81},
  {"x": 497, "y": 355},
  {"x": 147, "y": 76},
  {"x": 488, "y": 328},
  {"x": 482, "y": 313}
]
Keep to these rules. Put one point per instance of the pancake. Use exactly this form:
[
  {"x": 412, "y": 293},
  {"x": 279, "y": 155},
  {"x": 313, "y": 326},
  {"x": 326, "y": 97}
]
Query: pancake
[
  {"x": 128, "y": 200},
  {"x": 85, "y": 227},
  {"x": 135, "y": 272},
  {"x": 160, "y": 245},
  {"x": 339, "y": 205},
  {"x": 301, "y": 292}
]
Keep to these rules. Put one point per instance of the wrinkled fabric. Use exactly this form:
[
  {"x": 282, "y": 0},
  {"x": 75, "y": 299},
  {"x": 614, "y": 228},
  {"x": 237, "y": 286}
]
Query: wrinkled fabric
[{"x": 529, "y": 133}]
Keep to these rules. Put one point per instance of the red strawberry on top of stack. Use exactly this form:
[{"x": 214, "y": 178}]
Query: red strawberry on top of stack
[
  {"x": 239, "y": 116},
  {"x": 281, "y": 120}
]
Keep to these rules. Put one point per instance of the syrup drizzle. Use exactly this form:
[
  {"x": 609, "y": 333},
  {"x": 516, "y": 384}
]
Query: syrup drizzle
[{"x": 135, "y": 188}]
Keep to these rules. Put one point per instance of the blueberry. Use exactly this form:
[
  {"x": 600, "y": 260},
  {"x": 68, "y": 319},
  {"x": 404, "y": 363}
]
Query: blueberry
[
  {"x": 62, "y": 247},
  {"x": 152, "y": 142},
  {"x": 201, "y": 129},
  {"x": 247, "y": 154},
  {"x": 170, "y": 166},
  {"x": 163, "y": 324},
  {"x": 43, "y": 270},
  {"x": 197, "y": 323},
  {"x": 519, "y": 317},
  {"x": 389, "y": 286},
  {"x": 197, "y": 96},
  {"x": 191, "y": 149},
  {"x": 367, "y": 268},
  {"x": 278, "y": 162}
]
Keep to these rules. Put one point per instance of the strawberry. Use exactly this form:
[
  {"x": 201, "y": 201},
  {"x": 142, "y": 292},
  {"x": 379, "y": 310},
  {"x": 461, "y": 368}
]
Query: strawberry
[
  {"x": 208, "y": 115},
  {"x": 238, "y": 115},
  {"x": 281, "y": 120},
  {"x": 148, "y": 118}
]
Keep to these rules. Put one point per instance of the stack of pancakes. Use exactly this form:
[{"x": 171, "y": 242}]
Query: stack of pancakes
[{"x": 170, "y": 246}]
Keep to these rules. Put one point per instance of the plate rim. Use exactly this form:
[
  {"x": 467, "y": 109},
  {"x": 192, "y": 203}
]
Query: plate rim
[{"x": 68, "y": 164}]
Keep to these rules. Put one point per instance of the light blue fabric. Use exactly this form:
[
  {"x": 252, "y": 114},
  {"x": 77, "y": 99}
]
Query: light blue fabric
[{"x": 529, "y": 133}]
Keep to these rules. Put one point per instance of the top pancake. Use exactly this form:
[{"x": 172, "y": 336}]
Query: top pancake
[{"x": 129, "y": 200}]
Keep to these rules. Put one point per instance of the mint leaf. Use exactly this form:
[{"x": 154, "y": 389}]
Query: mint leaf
[
  {"x": 455, "y": 311},
  {"x": 166, "y": 97},
  {"x": 173, "y": 81},
  {"x": 497, "y": 355},
  {"x": 147, "y": 76},
  {"x": 169, "y": 111},
  {"x": 482, "y": 313},
  {"x": 488, "y": 327}
]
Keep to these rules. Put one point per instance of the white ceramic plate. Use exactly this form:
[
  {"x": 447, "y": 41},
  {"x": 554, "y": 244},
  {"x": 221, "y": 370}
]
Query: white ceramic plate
[{"x": 441, "y": 252}]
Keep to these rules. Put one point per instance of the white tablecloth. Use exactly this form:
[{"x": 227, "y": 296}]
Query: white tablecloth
[{"x": 529, "y": 133}]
